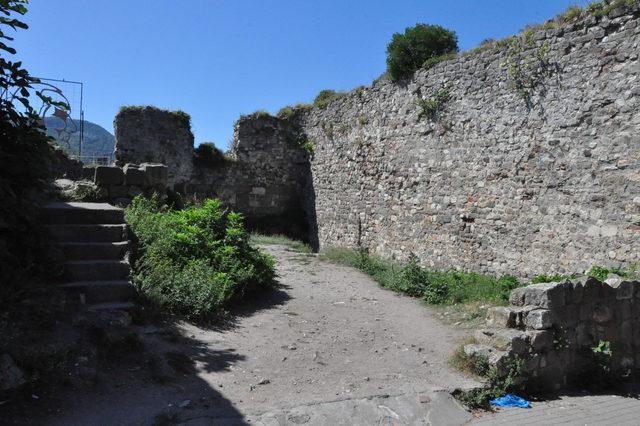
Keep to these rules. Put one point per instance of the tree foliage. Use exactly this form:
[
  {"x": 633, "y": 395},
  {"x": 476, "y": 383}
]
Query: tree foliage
[
  {"x": 407, "y": 52},
  {"x": 25, "y": 154}
]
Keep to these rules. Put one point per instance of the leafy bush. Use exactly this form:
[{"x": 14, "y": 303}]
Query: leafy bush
[
  {"x": 435, "y": 287},
  {"x": 25, "y": 161},
  {"x": 325, "y": 97},
  {"x": 195, "y": 261},
  {"x": 408, "y": 52},
  {"x": 208, "y": 155}
]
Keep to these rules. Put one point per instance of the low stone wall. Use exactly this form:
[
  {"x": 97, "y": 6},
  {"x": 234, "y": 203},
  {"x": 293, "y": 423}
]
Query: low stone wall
[
  {"x": 120, "y": 184},
  {"x": 565, "y": 333}
]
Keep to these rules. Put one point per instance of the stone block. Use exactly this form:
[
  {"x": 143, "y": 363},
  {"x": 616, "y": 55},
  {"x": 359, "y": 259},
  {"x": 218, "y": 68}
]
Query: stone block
[
  {"x": 474, "y": 350},
  {"x": 592, "y": 290},
  {"x": 155, "y": 174},
  {"x": 584, "y": 337},
  {"x": 118, "y": 191},
  {"x": 541, "y": 340},
  {"x": 567, "y": 316},
  {"x": 546, "y": 295},
  {"x": 133, "y": 175},
  {"x": 108, "y": 175},
  {"x": 601, "y": 313},
  {"x": 501, "y": 317},
  {"x": 539, "y": 319},
  {"x": 516, "y": 297},
  {"x": 258, "y": 191},
  {"x": 577, "y": 293},
  {"x": 508, "y": 339},
  {"x": 623, "y": 289}
]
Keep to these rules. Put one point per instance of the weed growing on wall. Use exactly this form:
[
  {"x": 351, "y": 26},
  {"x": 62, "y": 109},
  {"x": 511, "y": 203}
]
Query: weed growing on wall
[
  {"x": 601, "y": 273},
  {"x": 289, "y": 111},
  {"x": 325, "y": 97},
  {"x": 434, "y": 105},
  {"x": 194, "y": 261},
  {"x": 526, "y": 71}
]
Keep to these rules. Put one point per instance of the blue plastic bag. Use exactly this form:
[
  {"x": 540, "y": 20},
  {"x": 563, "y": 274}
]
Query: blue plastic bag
[{"x": 510, "y": 400}]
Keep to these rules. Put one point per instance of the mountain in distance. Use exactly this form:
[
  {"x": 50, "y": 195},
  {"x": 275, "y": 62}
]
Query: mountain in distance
[{"x": 98, "y": 142}]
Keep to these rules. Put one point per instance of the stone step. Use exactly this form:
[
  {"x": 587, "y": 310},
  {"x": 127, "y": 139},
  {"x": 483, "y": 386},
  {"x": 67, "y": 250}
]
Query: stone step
[
  {"x": 96, "y": 270},
  {"x": 94, "y": 251},
  {"x": 98, "y": 292},
  {"x": 82, "y": 213},
  {"x": 116, "y": 306},
  {"x": 88, "y": 233}
]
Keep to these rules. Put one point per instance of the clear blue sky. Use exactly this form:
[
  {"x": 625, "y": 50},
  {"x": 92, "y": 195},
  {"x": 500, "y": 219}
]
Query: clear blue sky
[{"x": 218, "y": 59}]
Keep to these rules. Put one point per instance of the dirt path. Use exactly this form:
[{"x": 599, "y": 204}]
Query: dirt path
[{"x": 330, "y": 346}]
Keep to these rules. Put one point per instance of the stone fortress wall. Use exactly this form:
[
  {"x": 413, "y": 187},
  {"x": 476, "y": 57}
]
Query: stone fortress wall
[
  {"x": 263, "y": 178},
  {"x": 532, "y": 164}
]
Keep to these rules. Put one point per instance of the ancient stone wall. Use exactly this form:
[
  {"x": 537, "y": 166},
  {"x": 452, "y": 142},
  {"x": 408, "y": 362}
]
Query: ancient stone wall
[
  {"x": 151, "y": 135},
  {"x": 119, "y": 185},
  {"x": 532, "y": 164},
  {"x": 263, "y": 178},
  {"x": 520, "y": 158},
  {"x": 565, "y": 334}
]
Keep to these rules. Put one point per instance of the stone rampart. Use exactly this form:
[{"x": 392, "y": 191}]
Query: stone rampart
[{"x": 565, "y": 334}]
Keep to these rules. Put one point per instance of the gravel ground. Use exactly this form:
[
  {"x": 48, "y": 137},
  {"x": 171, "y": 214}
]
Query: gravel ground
[{"x": 328, "y": 341}]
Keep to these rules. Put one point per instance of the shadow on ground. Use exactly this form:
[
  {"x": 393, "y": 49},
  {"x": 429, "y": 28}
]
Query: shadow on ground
[{"x": 146, "y": 374}]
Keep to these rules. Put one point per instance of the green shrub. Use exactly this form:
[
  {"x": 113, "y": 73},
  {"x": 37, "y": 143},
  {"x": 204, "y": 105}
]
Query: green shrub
[
  {"x": 194, "y": 261},
  {"x": 208, "y": 155},
  {"x": 325, "y": 97},
  {"x": 408, "y": 52}
]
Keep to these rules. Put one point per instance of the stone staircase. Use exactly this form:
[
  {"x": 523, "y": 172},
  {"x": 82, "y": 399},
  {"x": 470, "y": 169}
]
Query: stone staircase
[{"x": 91, "y": 240}]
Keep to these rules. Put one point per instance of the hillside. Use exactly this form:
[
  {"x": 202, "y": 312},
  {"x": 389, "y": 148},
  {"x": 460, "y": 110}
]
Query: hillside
[{"x": 97, "y": 140}]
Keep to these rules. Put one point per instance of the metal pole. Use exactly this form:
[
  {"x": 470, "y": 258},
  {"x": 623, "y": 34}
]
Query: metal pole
[{"x": 81, "y": 122}]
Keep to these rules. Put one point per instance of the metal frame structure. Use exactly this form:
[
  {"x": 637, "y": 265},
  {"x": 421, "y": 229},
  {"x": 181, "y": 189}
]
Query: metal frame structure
[{"x": 56, "y": 90}]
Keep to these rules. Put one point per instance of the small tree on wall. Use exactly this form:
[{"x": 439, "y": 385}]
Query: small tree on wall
[{"x": 407, "y": 52}]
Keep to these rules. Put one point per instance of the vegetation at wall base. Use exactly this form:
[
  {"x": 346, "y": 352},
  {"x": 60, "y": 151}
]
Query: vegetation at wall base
[
  {"x": 512, "y": 380},
  {"x": 434, "y": 287},
  {"x": 257, "y": 239},
  {"x": 195, "y": 261},
  {"x": 408, "y": 52}
]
